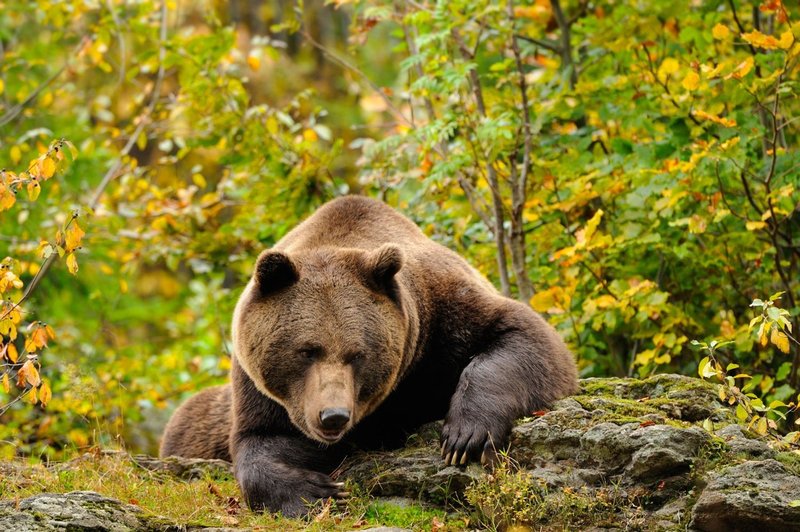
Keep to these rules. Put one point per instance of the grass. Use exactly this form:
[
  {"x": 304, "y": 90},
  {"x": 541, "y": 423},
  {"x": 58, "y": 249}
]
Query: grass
[
  {"x": 210, "y": 501},
  {"x": 510, "y": 499}
]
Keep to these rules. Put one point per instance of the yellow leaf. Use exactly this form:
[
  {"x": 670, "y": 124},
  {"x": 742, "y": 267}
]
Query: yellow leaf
[
  {"x": 538, "y": 13},
  {"x": 253, "y": 62},
  {"x": 7, "y": 198},
  {"x": 72, "y": 264},
  {"x": 32, "y": 399},
  {"x": 15, "y": 152},
  {"x": 663, "y": 359},
  {"x": 46, "y": 167},
  {"x": 755, "y": 225},
  {"x": 30, "y": 344},
  {"x": 45, "y": 393},
  {"x": 720, "y": 31},
  {"x": 761, "y": 426},
  {"x": 73, "y": 236},
  {"x": 644, "y": 357},
  {"x": 787, "y": 40},
  {"x": 33, "y": 189},
  {"x": 39, "y": 336},
  {"x": 780, "y": 340},
  {"x": 310, "y": 135},
  {"x": 668, "y": 66},
  {"x": 691, "y": 81},
  {"x": 6, "y": 385},
  {"x": 12, "y": 353},
  {"x": 585, "y": 235},
  {"x": 759, "y": 40},
  {"x": 30, "y": 374},
  {"x": 547, "y": 300},
  {"x": 605, "y": 301},
  {"x": 742, "y": 69},
  {"x": 713, "y": 71},
  {"x": 727, "y": 122}
]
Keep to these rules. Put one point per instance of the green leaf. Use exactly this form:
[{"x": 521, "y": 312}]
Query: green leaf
[{"x": 783, "y": 371}]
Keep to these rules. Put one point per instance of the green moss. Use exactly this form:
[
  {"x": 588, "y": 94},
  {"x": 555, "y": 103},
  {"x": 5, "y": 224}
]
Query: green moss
[
  {"x": 415, "y": 517},
  {"x": 791, "y": 461},
  {"x": 606, "y": 386},
  {"x": 713, "y": 454}
]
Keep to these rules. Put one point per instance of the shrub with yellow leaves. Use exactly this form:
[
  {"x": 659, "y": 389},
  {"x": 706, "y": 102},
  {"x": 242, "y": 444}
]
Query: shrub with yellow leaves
[{"x": 21, "y": 345}]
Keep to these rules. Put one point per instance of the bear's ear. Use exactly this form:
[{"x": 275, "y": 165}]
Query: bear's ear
[
  {"x": 383, "y": 264},
  {"x": 274, "y": 270}
]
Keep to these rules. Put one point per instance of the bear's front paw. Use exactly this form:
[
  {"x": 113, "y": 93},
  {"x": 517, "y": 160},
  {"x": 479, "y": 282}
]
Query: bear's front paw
[
  {"x": 291, "y": 492},
  {"x": 469, "y": 440}
]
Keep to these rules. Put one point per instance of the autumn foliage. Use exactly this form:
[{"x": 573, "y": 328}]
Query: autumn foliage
[{"x": 630, "y": 169}]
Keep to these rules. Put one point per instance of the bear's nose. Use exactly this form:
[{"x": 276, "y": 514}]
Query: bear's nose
[{"x": 334, "y": 418}]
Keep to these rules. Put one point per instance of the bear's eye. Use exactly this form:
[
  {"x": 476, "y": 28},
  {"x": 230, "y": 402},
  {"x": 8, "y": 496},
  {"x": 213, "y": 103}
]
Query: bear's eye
[
  {"x": 311, "y": 352},
  {"x": 354, "y": 358}
]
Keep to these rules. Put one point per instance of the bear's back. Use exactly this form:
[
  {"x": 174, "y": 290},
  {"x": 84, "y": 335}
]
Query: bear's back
[
  {"x": 353, "y": 222},
  {"x": 364, "y": 223}
]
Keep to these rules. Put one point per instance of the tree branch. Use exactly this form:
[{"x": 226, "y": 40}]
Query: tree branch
[
  {"x": 494, "y": 185},
  {"x": 519, "y": 182},
  {"x": 547, "y": 44},
  {"x": 117, "y": 166},
  {"x": 14, "y": 112},
  {"x": 567, "y": 64}
]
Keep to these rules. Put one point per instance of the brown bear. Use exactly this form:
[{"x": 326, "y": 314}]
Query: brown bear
[{"x": 354, "y": 330}]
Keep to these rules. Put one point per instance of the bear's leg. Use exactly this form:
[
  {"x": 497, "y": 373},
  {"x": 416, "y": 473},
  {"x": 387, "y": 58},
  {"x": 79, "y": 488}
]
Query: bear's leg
[
  {"x": 277, "y": 468},
  {"x": 524, "y": 369},
  {"x": 200, "y": 427},
  {"x": 280, "y": 473}
]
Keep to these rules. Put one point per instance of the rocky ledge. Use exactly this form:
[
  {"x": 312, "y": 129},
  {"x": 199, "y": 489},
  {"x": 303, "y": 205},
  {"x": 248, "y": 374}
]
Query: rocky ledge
[{"x": 623, "y": 453}]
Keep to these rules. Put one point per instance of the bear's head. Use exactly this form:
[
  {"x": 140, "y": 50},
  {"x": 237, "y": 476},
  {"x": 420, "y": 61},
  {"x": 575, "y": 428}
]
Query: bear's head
[{"x": 325, "y": 333}]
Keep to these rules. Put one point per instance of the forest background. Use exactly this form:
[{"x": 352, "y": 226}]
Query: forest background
[{"x": 629, "y": 168}]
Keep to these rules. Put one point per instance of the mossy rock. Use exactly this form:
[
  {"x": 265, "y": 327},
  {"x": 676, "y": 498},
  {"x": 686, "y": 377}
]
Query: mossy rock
[
  {"x": 676, "y": 397},
  {"x": 78, "y": 510}
]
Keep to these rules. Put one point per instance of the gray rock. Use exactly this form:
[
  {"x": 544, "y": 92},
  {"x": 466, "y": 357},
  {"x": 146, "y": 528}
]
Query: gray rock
[
  {"x": 664, "y": 450},
  {"x": 740, "y": 443},
  {"x": 754, "y": 495},
  {"x": 419, "y": 474},
  {"x": 185, "y": 468},
  {"x": 78, "y": 510},
  {"x": 637, "y": 453}
]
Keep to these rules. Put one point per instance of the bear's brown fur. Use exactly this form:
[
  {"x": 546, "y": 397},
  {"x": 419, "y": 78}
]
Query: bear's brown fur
[{"x": 354, "y": 330}]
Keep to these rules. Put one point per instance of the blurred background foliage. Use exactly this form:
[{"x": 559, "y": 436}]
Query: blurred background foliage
[{"x": 629, "y": 168}]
